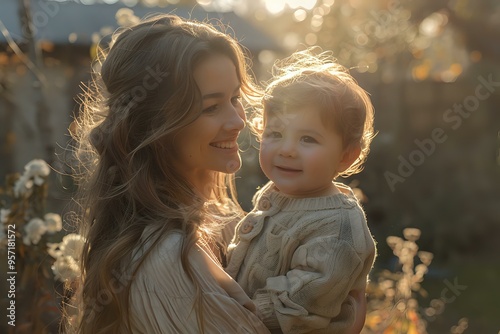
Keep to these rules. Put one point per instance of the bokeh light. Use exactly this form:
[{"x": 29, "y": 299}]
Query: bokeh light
[
  {"x": 275, "y": 6},
  {"x": 72, "y": 37},
  {"x": 291, "y": 40},
  {"x": 317, "y": 21},
  {"x": 204, "y": 2},
  {"x": 299, "y": 15},
  {"x": 432, "y": 24},
  {"x": 475, "y": 56},
  {"x": 266, "y": 57},
  {"x": 311, "y": 38},
  {"x": 307, "y": 4}
]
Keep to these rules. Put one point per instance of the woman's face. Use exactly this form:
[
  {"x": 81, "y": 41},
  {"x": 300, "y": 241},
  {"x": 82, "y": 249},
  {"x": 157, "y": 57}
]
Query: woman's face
[{"x": 209, "y": 143}]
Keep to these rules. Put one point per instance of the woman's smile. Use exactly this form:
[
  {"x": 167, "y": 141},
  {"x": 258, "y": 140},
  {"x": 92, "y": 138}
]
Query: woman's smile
[{"x": 226, "y": 145}]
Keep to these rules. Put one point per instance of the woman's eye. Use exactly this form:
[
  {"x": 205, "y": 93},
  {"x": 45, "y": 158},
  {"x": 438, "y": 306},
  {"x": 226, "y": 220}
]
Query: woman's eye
[
  {"x": 235, "y": 100},
  {"x": 210, "y": 109},
  {"x": 308, "y": 139}
]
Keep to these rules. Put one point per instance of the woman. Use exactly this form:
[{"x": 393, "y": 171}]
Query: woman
[{"x": 159, "y": 145}]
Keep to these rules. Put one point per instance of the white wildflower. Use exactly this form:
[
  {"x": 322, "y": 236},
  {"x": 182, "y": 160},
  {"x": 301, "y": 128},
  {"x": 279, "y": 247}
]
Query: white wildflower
[
  {"x": 72, "y": 245},
  {"x": 394, "y": 242},
  {"x": 425, "y": 257},
  {"x": 22, "y": 185},
  {"x": 65, "y": 268},
  {"x": 35, "y": 172},
  {"x": 4, "y": 215},
  {"x": 53, "y": 249},
  {"x": 34, "y": 231},
  {"x": 411, "y": 234},
  {"x": 53, "y": 222},
  {"x": 37, "y": 168},
  {"x": 421, "y": 270}
]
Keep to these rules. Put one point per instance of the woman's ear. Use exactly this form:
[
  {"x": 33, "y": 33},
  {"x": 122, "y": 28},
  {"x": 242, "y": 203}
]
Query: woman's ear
[{"x": 351, "y": 153}]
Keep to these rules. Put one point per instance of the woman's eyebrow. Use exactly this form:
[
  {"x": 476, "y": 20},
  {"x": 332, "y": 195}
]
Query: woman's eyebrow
[{"x": 219, "y": 94}]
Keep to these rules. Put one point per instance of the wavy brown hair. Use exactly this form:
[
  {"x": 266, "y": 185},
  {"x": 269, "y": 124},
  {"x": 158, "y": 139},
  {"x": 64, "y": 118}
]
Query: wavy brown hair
[{"x": 142, "y": 94}]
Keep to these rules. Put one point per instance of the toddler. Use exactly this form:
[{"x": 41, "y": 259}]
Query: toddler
[{"x": 305, "y": 249}]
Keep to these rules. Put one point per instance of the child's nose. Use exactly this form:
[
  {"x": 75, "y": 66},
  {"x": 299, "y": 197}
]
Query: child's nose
[{"x": 288, "y": 149}]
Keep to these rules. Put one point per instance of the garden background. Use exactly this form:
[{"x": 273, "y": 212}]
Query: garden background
[{"x": 433, "y": 71}]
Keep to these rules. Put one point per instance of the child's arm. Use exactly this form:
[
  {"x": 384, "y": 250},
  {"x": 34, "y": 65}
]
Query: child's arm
[{"x": 314, "y": 294}]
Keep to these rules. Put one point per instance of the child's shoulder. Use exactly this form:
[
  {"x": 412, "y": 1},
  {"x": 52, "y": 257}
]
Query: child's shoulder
[
  {"x": 344, "y": 189},
  {"x": 261, "y": 191}
]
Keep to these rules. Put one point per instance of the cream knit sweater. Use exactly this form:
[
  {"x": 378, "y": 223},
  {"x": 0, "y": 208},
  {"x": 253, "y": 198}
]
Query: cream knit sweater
[{"x": 298, "y": 259}]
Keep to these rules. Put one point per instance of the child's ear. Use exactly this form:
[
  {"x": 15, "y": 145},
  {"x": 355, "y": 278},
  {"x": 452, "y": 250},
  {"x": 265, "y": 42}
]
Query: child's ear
[{"x": 351, "y": 153}]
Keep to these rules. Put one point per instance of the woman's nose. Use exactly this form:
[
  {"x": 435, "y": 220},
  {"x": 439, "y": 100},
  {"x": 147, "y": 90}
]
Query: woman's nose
[{"x": 236, "y": 119}]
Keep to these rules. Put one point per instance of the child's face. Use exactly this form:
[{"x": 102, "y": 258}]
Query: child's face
[{"x": 299, "y": 154}]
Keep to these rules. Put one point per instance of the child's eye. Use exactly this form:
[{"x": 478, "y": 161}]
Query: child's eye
[
  {"x": 210, "y": 109},
  {"x": 235, "y": 100},
  {"x": 272, "y": 134},
  {"x": 308, "y": 139}
]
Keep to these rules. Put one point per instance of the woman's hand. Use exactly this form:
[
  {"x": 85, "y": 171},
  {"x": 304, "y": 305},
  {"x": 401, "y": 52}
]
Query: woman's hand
[
  {"x": 360, "y": 304},
  {"x": 250, "y": 306}
]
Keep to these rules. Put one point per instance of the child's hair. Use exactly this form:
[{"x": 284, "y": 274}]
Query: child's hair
[
  {"x": 305, "y": 79},
  {"x": 143, "y": 94}
]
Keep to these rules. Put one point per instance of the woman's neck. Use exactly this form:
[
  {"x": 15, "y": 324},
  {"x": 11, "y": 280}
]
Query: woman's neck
[{"x": 204, "y": 185}]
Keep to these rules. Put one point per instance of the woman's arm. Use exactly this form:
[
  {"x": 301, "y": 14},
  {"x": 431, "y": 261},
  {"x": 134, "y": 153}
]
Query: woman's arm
[
  {"x": 225, "y": 281},
  {"x": 162, "y": 295}
]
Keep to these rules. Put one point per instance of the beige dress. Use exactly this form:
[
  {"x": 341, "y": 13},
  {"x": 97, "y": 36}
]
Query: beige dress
[{"x": 161, "y": 296}]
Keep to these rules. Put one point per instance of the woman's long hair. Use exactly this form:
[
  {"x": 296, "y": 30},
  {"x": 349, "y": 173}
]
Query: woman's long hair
[{"x": 143, "y": 94}]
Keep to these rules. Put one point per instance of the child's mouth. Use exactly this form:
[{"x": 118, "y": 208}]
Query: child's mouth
[{"x": 287, "y": 169}]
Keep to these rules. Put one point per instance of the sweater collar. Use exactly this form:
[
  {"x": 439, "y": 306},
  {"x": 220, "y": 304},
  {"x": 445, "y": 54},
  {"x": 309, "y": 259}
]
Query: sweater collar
[{"x": 270, "y": 196}]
